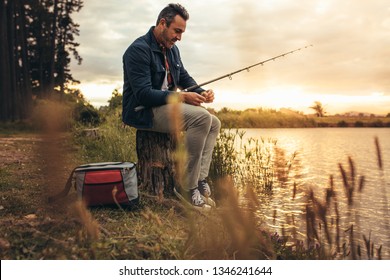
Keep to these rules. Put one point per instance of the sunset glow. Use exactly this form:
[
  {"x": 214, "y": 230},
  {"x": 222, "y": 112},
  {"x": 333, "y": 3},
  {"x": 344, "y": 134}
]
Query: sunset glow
[{"x": 347, "y": 69}]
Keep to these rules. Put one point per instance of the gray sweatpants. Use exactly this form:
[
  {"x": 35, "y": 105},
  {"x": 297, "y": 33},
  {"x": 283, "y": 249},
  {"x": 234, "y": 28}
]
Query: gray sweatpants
[{"x": 201, "y": 130}]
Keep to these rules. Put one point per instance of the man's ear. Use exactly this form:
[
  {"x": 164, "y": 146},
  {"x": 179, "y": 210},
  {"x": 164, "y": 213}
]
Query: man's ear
[{"x": 163, "y": 22}]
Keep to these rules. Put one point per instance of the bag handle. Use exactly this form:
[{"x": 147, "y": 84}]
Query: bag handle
[{"x": 65, "y": 191}]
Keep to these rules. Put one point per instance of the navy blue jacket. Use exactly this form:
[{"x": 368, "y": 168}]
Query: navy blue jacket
[{"x": 143, "y": 75}]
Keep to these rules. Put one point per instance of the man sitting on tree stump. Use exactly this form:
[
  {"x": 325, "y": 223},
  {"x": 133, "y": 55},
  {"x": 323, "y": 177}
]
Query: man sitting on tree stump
[{"x": 153, "y": 70}]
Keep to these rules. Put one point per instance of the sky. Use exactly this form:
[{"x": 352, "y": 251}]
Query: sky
[{"x": 346, "y": 69}]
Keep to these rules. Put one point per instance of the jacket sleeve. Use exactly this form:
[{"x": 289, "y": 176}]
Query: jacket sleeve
[{"x": 137, "y": 63}]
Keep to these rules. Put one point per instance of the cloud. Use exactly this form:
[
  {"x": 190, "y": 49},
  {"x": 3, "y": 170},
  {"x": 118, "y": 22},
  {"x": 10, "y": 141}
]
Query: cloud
[{"x": 350, "y": 55}]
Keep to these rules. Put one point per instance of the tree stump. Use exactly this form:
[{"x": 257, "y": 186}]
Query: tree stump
[{"x": 156, "y": 167}]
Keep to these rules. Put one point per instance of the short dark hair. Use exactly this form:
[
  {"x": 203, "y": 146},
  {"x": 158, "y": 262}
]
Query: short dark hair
[{"x": 170, "y": 11}]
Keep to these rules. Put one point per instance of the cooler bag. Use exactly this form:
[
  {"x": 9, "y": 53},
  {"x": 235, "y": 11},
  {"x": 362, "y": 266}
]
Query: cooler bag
[{"x": 104, "y": 183}]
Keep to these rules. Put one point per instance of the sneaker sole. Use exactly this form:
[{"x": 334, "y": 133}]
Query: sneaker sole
[
  {"x": 209, "y": 201},
  {"x": 205, "y": 207}
]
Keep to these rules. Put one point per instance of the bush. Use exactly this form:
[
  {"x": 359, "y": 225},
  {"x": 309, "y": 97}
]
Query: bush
[
  {"x": 377, "y": 123},
  {"x": 359, "y": 124},
  {"x": 342, "y": 124},
  {"x": 113, "y": 142},
  {"x": 86, "y": 114}
]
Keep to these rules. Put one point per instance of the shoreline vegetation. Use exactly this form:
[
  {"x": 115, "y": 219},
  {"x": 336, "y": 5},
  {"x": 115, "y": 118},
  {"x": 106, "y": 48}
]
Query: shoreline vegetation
[
  {"x": 91, "y": 117},
  {"x": 286, "y": 118}
]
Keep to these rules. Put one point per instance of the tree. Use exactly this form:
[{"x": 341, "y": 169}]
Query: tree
[
  {"x": 319, "y": 109},
  {"x": 15, "y": 85},
  {"x": 116, "y": 100},
  {"x": 37, "y": 39},
  {"x": 52, "y": 32}
]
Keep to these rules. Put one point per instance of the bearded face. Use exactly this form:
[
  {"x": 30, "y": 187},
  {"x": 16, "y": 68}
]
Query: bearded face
[{"x": 170, "y": 35}]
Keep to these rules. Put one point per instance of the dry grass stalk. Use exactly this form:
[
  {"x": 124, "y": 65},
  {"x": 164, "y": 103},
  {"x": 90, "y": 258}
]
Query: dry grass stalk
[
  {"x": 347, "y": 186},
  {"x": 230, "y": 231},
  {"x": 294, "y": 190},
  {"x": 91, "y": 226},
  {"x": 378, "y": 153},
  {"x": 367, "y": 243},
  {"x": 336, "y": 209},
  {"x": 321, "y": 210},
  {"x": 151, "y": 216},
  {"x": 352, "y": 242},
  {"x": 379, "y": 252},
  {"x": 180, "y": 153},
  {"x": 311, "y": 229},
  {"x": 352, "y": 172},
  {"x": 383, "y": 183},
  {"x": 114, "y": 192},
  {"x": 175, "y": 117},
  {"x": 362, "y": 181}
]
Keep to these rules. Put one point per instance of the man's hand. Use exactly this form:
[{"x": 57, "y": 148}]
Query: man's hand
[
  {"x": 192, "y": 98},
  {"x": 209, "y": 95}
]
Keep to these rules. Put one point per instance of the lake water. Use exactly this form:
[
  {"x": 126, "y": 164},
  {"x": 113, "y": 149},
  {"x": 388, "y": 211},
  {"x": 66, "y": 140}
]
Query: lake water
[{"x": 319, "y": 153}]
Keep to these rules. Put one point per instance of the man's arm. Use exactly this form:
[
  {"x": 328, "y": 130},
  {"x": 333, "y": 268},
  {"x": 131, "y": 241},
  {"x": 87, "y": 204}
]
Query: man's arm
[{"x": 137, "y": 63}]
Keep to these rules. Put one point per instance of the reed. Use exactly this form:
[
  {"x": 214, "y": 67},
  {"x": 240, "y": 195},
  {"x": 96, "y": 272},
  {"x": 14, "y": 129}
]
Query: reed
[
  {"x": 252, "y": 162},
  {"x": 384, "y": 191},
  {"x": 332, "y": 231},
  {"x": 320, "y": 216}
]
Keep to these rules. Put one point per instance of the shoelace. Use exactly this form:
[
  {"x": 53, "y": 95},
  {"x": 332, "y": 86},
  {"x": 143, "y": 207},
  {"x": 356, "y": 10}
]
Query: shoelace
[
  {"x": 196, "y": 198},
  {"x": 204, "y": 188}
]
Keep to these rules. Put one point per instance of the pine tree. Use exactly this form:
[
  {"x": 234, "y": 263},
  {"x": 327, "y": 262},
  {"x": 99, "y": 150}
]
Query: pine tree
[{"x": 37, "y": 41}]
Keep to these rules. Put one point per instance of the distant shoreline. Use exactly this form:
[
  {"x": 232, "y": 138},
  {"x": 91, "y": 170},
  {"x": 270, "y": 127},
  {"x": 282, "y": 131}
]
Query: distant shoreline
[{"x": 270, "y": 118}]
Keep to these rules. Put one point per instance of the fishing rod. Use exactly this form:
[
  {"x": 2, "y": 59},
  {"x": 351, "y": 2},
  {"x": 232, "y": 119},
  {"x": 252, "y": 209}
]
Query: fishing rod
[
  {"x": 229, "y": 75},
  {"x": 245, "y": 68}
]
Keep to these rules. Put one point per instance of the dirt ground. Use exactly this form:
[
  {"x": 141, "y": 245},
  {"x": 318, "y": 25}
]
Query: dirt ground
[{"x": 32, "y": 167}]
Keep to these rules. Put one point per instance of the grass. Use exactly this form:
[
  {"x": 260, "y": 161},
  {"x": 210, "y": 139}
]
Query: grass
[
  {"x": 163, "y": 229},
  {"x": 112, "y": 141}
]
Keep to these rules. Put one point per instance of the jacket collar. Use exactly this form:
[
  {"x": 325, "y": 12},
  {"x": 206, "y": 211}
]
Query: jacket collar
[{"x": 153, "y": 41}]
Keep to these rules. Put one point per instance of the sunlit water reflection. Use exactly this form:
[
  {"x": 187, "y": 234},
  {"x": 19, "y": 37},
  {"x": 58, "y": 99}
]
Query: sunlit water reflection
[{"x": 320, "y": 151}]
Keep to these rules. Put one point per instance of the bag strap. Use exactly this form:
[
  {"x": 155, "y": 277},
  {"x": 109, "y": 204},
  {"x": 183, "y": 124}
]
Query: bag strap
[{"x": 66, "y": 189}]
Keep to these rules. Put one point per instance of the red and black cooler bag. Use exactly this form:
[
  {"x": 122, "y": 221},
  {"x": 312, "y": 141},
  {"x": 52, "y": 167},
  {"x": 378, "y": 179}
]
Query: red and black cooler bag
[{"x": 107, "y": 183}]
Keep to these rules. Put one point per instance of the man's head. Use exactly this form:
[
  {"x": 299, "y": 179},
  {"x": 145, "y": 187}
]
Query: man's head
[{"x": 171, "y": 24}]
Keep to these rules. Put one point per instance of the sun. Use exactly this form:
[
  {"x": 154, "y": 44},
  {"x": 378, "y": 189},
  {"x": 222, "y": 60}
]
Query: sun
[
  {"x": 98, "y": 94},
  {"x": 272, "y": 97}
]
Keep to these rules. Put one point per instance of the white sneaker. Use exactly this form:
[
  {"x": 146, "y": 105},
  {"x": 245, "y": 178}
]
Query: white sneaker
[
  {"x": 205, "y": 192},
  {"x": 195, "y": 199}
]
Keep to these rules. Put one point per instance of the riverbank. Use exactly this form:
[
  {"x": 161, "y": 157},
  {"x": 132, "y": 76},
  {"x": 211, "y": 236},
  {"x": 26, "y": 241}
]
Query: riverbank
[{"x": 35, "y": 166}]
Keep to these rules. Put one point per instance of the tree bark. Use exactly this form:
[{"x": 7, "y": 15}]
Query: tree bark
[
  {"x": 156, "y": 167},
  {"x": 25, "y": 87},
  {"x": 5, "y": 87},
  {"x": 13, "y": 110}
]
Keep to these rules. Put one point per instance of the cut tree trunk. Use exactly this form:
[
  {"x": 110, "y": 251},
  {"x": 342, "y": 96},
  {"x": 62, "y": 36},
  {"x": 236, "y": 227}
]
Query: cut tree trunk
[{"x": 156, "y": 167}]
